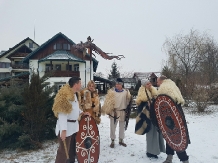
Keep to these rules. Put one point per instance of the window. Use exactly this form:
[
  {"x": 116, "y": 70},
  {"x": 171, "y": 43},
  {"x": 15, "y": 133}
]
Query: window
[
  {"x": 69, "y": 68},
  {"x": 4, "y": 75},
  {"x": 16, "y": 73},
  {"x": 58, "y": 86},
  {"x": 66, "y": 46},
  {"x": 76, "y": 67},
  {"x": 17, "y": 62},
  {"x": 47, "y": 67},
  {"x": 58, "y": 67},
  {"x": 58, "y": 46},
  {"x": 4, "y": 65},
  {"x": 30, "y": 45}
]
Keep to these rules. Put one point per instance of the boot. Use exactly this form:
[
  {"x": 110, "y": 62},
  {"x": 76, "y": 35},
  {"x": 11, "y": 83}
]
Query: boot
[
  {"x": 112, "y": 143},
  {"x": 122, "y": 143},
  {"x": 168, "y": 159},
  {"x": 149, "y": 155},
  {"x": 185, "y": 161}
]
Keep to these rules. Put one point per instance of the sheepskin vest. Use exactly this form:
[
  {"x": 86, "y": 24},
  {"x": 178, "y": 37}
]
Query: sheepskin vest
[
  {"x": 142, "y": 97},
  {"x": 90, "y": 103},
  {"x": 109, "y": 102},
  {"x": 63, "y": 99},
  {"x": 168, "y": 87}
]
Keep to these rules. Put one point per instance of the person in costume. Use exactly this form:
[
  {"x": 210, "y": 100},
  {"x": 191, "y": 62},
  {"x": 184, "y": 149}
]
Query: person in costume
[
  {"x": 90, "y": 101},
  {"x": 116, "y": 101},
  {"x": 154, "y": 139},
  {"x": 66, "y": 109},
  {"x": 168, "y": 87}
]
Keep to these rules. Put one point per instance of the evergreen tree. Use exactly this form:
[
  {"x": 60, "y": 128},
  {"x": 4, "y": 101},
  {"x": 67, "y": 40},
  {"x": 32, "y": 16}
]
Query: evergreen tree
[
  {"x": 38, "y": 117},
  {"x": 11, "y": 106},
  {"x": 114, "y": 71}
]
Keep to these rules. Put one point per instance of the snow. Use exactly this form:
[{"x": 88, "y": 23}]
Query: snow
[{"x": 203, "y": 148}]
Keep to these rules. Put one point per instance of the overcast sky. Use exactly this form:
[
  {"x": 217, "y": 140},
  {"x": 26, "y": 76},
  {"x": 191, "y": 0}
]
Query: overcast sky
[{"x": 136, "y": 29}]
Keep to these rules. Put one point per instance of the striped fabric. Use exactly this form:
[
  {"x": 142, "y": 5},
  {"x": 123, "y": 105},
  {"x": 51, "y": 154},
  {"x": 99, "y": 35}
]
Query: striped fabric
[{"x": 143, "y": 122}]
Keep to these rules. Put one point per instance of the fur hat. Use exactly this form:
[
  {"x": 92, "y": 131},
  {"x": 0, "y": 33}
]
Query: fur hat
[
  {"x": 119, "y": 81},
  {"x": 144, "y": 81}
]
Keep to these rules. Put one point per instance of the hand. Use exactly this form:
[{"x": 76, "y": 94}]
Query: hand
[{"x": 63, "y": 135}]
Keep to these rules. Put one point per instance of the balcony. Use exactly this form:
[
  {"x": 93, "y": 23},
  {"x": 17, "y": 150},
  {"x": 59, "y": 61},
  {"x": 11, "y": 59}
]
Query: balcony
[
  {"x": 20, "y": 66},
  {"x": 58, "y": 73}
]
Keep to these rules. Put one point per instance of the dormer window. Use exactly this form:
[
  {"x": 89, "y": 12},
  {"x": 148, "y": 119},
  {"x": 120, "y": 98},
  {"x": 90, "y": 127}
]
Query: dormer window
[
  {"x": 59, "y": 46},
  {"x": 66, "y": 46},
  {"x": 30, "y": 45}
]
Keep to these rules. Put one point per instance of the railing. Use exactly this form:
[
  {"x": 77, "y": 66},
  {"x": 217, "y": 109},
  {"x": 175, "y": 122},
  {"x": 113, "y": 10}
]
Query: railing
[
  {"x": 58, "y": 73},
  {"x": 20, "y": 66}
]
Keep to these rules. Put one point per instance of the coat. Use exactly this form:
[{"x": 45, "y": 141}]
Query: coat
[
  {"x": 90, "y": 103},
  {"x": 143, "y": 122},
  {"x": 109, "y": 103}
]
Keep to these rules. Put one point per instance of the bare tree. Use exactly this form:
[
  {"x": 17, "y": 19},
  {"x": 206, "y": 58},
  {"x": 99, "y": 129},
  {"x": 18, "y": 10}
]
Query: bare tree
[
  {"x": 209, "y": 60},
  {"x": 187, "y": 54}
]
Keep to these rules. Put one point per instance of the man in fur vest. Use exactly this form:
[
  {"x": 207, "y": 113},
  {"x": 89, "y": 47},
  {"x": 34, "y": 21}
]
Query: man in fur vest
[
  {"x": 66, "y": 109},
  {"x": 115, "y": 103},
  {"x": 90, "y": 101},
  {"x": 168, "y": 87}
]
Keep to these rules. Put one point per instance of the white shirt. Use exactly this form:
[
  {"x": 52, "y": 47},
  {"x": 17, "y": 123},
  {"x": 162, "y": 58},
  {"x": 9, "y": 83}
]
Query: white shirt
[{"x": 70, "y": 127}]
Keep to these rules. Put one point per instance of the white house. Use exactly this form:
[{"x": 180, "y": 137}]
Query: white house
[
  {"x": 11, "y": 60},
  {"x": 58, "y": 57}
]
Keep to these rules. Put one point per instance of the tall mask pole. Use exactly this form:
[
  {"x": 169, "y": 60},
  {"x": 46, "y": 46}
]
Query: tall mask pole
[{"x": 90, "y": 53}]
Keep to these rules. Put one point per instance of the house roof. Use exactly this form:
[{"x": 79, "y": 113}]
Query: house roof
[
  {"x": 61, "y": 55},
  {"x": 15, "y": 46},
  {"x": 23, "y": 46},
  {"x": 97, "y": 78},
  {"x": 1, "y": 52},
  {"x": 143, "y": 75},
  {"x": 46, "y": 43},
  {"x": 26, "y": 59},
  {"x": 15, "y": 76},
  {"x": 128, "y": 80}
]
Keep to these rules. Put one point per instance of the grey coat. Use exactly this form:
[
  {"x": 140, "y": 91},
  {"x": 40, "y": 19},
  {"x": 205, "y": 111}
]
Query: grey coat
[{"x": 155, "y": 141}]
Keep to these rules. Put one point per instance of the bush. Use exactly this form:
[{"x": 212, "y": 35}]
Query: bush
[
  {"x": 200, "y": 96},
  {"x": 214, "y": 95},
  {"x": 11, "y": 121}
]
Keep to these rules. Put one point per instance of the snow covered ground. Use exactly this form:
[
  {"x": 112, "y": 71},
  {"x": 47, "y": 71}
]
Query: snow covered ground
[{"x": 203, "y": 148}]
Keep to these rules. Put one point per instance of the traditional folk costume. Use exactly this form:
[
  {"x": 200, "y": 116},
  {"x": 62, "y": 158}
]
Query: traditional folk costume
[
  {"x": 154, "y": 139},
  {"x": 168, "y": 87},
  {"x": 90, "y": 103},
  {"x": 66, "y": 109},
  {"x": 114, "y": 105}
]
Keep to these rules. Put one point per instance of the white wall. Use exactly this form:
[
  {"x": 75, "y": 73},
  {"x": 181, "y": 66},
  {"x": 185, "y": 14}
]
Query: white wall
[
  {"x": 3, "y": 59},
  {"x": 84, "y": 74},
  {"x": 35, "y": 46}
]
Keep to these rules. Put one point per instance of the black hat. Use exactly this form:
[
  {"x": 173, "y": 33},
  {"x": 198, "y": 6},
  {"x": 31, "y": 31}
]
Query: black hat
[{"x": 119, "y": 81}]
